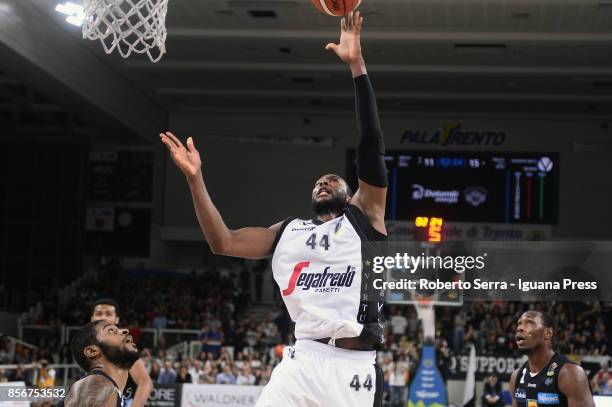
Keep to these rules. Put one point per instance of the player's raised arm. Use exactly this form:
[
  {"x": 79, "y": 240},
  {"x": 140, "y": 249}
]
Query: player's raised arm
[
  {"x": 144, "y": 384},
  {"x": 252, "y": 242},
  {"x": 574, "y": 383},
  {"x": 372, "y": 193}
]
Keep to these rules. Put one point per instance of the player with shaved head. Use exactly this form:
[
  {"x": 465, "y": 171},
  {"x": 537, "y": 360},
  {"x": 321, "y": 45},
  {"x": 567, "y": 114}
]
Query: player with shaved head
[{"x": 547, "y": 378}]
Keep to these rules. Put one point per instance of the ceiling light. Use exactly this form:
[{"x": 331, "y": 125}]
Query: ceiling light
[{"x": 75, "y": 12}]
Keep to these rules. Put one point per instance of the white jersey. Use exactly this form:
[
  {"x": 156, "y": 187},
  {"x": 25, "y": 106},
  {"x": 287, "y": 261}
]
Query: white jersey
[{"x": 325, "y": 277}]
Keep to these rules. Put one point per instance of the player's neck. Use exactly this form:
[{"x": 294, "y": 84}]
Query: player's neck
[
  {"x": 539, "y": 360},
  {"x": 117, "y": 374},
  {"x": 327, "y": 217}
]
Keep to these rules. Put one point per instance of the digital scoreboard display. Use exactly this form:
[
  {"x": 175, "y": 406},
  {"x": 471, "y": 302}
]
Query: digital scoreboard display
[{"x": 470, "y": 187}]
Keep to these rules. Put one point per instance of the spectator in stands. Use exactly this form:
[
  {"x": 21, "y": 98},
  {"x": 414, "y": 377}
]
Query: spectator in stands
[
  {"x": 211, "y": 340},
  {"x": 602, "y": 384},
  {"x": 263, "y": 376},
  {"x": 226, "y": 376},
  {"x": 196, "y": 370},
  {"x": 492, "y": 395},
  {"x": 183, "y": 375},
  {"x": 398, "y": 324},
  {"x": 246, "y": 376},
  {"x": 167, "y": 375},
  {"x": 20, "y": 376},
  {"x": 254, "y": 360},
  {"x": 239, "y": 362},
  {"x": 459, "y": 333},
  {"x": 3, "y": 378},
  {"x": 397, "y": 377},
  {"x": 46, "y": 376},
  {"x": 5, "y": 348},
  {"x": 159, "y": 351},
  {"x": 443, "y": 358}
]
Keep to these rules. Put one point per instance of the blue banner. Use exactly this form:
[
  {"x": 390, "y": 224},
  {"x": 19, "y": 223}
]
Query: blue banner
[{"x": 427, "y": 388}]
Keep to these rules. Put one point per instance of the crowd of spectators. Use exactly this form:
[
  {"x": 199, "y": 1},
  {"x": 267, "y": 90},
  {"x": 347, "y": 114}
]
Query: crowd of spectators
[
  {"x": 580, "y": 327},
  {"x": 237, "y": 347}
]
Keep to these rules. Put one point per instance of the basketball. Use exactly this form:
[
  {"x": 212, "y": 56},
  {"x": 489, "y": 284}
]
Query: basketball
[{"x": 337, "y": 8}]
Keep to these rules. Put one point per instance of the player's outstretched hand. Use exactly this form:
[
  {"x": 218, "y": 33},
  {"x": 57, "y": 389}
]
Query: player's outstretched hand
[
  {"x": 187, "y": 159},
  {"x": 349, "y": 48}
]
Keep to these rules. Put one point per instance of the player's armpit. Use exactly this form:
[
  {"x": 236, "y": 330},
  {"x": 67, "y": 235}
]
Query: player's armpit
[
  {"x": 573, "y": 382},
  {"x": 94, "y": 391},
  {"x": 141, "y": 377},
  {"x": 250, "y": 242},
  {"x": 372, "y": 201},
  {"x": 512, "y": 386}
]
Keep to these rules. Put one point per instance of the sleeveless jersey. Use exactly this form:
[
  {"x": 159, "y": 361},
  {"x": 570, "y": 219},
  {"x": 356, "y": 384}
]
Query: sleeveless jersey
[
  {"x": 130, "y": 388},
  {"x": 325, "y": 277},
  {"x": 101, "y": 373},
  {"x": 542, "y": 389}
]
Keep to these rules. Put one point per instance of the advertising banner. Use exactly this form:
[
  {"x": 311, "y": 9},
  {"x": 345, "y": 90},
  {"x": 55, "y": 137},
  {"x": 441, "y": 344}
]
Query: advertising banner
[
  {"x": 165, "y": 395},
  {"x": 219, "y": 395},
  {"x": 427, "y": 388}
]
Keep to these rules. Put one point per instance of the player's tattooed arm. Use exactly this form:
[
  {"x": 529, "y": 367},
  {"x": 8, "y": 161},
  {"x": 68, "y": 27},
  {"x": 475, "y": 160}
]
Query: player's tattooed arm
[
  {"x": 574, "y": 383},
  {"x": 512, "y": 386},
  {"x": 93, "y": 391}
]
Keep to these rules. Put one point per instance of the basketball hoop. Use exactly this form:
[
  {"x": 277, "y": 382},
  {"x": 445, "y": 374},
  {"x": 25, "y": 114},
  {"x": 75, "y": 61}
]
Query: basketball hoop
[
  {"x": 137, "y": 26},
  {"x": 424, "y": 305}
]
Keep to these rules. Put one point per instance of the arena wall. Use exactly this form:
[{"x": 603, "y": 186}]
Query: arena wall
[{"x": 257, "y": 183}]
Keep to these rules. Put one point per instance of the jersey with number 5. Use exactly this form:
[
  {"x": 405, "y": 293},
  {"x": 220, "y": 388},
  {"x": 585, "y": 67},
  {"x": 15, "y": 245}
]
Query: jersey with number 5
[{"x": 324, "y": 271}]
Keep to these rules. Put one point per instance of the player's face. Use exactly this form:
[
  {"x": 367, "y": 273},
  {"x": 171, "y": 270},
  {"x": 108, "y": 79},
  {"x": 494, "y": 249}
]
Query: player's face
[
  {"x": 105, "y": 312},
  {"x": 330, "y": 194},
  {"x": 530, "y": 332},
  {"x": 117, "y": 345}
]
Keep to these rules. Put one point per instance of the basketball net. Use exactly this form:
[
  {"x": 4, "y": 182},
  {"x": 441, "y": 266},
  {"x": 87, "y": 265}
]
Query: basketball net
[
  {"x": 425, "y": 311},
  {"x": 137, "y": 26}
]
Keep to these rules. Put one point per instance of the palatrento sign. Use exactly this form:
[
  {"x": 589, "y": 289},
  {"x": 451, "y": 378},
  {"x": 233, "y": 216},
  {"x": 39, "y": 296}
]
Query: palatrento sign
[{"x": 453, "y": 134}]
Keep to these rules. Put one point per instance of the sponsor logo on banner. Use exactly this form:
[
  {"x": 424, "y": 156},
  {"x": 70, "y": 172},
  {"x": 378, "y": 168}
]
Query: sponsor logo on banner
[
  {"x": 165, "y": 396},
  {"x": 222, "y": 395},
  {"x": 427, "y": 388},
  {"x": 475, "y": 195},
  {"x": 420, "y": 192},
  {"x": 545, "y": 164},
  {"x": 453, "y": 134},
  {"x": 502, "y": 366},
  {"x": 548, "y": 398}
]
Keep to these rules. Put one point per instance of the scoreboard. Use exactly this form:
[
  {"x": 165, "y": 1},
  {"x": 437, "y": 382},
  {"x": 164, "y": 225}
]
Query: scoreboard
[{"x": 470, "y": 186}]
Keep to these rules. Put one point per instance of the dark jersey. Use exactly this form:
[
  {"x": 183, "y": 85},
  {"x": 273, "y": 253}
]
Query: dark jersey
[
  {"x": 101, "y": 373},
  {"x": 542, "y": 389},
  {"x": 130, "y": 388}
]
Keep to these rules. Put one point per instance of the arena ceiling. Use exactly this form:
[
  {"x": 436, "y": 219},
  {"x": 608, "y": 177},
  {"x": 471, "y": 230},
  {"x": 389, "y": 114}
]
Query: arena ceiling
[{"x": 531, "y": 58}]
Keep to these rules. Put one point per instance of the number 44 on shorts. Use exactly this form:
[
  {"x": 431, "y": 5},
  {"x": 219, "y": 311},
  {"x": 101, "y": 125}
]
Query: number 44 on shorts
[{"x": 367, "y": 383}]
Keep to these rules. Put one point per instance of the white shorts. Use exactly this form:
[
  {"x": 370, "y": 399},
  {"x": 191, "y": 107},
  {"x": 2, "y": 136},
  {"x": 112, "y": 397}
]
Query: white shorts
[{"x": 313, "y": 374}]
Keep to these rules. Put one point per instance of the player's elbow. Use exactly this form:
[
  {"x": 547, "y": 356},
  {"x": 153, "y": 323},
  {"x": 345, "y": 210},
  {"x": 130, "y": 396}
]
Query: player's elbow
[{"x": 219, "y": 246}]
